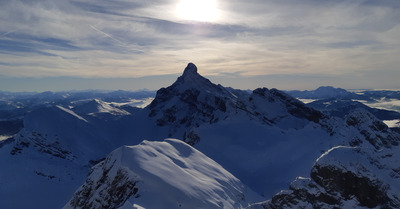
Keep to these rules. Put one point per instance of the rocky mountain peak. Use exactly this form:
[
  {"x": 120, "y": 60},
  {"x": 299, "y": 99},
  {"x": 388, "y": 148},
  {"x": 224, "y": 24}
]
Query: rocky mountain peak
[
  {"x": 192, "y": 79},
  {"x": 189, "y": 102},
  {"x": 190, "y": 69}
]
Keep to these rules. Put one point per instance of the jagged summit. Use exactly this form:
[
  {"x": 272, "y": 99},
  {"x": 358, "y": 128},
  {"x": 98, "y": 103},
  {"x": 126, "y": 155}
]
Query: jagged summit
[
  {"x": 192, "y": 79},
  {"x": 189, "y": 86},
  {"x": 190, "y": 68}
]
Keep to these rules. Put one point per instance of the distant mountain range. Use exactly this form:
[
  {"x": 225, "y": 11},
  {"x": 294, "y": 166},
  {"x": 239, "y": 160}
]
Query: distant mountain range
[
  {"x": 329, "y": 92},
  {"x": 325, "y": 92},
  {"x": 232, "y": 149},
  {"x": 14, "y": 106},
  {"x": 383, "y": 104}
]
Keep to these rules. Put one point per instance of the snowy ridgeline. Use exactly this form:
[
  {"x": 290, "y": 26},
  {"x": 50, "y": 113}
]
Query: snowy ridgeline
[
  {"x": 169, "y": 174},
  {"x": 265, "y": 139}
]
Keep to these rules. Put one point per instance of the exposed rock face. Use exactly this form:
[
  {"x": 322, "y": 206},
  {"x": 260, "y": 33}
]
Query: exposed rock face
[
  {"x": 106, "y": 191},
  {"x": 374, "y": 130},
  {"x": 42, "y": 144},
  {"x": 345, "y": 177},
  {"x": 368, "y": 192},
  {"x": 189, "y": 102}
]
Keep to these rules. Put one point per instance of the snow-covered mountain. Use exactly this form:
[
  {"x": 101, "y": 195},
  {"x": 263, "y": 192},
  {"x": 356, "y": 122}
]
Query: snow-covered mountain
[
  {"x": 48, "y": 97},
  {"x": 265, "y": 138},
  {"x": 15, "y": 106},
  {"x": 362, "y": 175},
  {"x": 190, "y": 102},
  {"x": 325, "y": 92},
  {"x": 384, "y": 104},
  {"x": 169, "y": 174},
  {"x": 235, "y": 127}
]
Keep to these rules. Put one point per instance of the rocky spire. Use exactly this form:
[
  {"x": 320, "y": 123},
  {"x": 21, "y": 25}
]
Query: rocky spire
[
  {"x": 192, "y": 78},
  {"x": 190, "y": 68},
  {"x": 190, "y": 71}
]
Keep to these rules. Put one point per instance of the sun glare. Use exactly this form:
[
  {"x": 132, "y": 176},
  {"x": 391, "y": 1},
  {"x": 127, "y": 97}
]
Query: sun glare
[{"x": 197, "y": 10}]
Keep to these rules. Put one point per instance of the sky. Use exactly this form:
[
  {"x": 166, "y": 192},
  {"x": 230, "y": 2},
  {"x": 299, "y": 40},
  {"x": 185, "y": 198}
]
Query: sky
[{"x": 141, "y": 44}]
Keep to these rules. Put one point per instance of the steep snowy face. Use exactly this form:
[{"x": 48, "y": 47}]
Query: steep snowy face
[
  {"x": 275, "y": 105},
  {"x": 191, "y": 101},
  {"x": 345, "y": 177},
  {"x": 168, "y": 174}
]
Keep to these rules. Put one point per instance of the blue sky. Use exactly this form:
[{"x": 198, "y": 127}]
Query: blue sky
[{"x": 135, "y": 44}]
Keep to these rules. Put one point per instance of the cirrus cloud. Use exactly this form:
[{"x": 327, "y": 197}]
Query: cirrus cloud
[{"x": 128, "y": 39}]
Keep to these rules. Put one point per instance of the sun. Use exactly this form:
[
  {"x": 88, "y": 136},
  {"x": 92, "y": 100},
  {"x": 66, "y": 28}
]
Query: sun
[{"x": 198, "y": 10}]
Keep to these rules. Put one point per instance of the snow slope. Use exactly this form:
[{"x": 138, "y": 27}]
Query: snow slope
[
  {"x": 97, "y": 106},
  {"x": 169, "y": 174}
]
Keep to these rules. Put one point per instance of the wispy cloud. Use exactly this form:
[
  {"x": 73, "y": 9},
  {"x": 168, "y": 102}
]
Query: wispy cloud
[
  {"x": 102, "y": 32},
  {"x": 6, "y": 33},
  {"x": 100, "y": 38}
]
